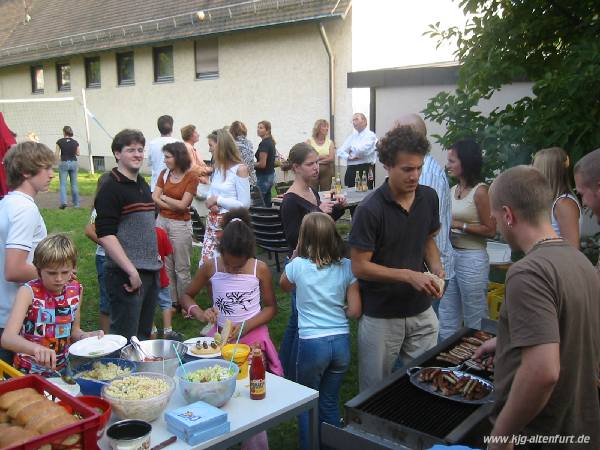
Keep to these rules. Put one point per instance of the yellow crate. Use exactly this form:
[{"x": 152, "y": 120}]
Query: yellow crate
[
  {"x": 7, "y": 371},
  {"x": 495, "y": 299}
]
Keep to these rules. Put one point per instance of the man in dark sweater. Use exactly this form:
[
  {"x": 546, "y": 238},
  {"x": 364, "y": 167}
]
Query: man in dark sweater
[{"x": 125, "y": 228}]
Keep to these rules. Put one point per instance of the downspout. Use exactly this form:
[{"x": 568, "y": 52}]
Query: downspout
[{"x": 331, "y": 80}]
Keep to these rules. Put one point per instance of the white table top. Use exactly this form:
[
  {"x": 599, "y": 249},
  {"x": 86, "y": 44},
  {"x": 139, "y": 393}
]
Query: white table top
[{"x": 243, "y": 414}]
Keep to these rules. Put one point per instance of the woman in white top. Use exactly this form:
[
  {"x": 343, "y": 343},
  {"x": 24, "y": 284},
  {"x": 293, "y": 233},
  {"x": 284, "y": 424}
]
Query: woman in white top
[
  {"x": 465, "y": 299},
  {"x": 229, "y": 189},
  {"x": 566, "y": 212},
  {"x": 326, "y": 150}
]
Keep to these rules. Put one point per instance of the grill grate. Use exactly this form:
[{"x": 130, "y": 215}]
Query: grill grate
[{"x": 407, "y": 405}]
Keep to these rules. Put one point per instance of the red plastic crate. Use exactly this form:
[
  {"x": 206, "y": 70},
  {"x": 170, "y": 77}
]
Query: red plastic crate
[{"x": 88, "y": 426}]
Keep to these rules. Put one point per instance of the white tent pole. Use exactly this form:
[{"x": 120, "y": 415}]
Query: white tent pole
[{"x": 87, "y": 131}]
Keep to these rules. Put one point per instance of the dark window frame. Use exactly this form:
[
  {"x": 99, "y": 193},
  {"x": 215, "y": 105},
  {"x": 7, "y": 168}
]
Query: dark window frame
[
  {"x": 35, "y": 89},
  {"x": 156, "y": 52},
  {"x": 210, "y": 75},
  {"x": 87, "y": 68},
  {"x": 61, "y": 86},
  {"x": 125, "y": 81}
]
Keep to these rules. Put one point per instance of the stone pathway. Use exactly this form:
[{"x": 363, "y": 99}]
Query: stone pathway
[{"x": 51, "y": 200}]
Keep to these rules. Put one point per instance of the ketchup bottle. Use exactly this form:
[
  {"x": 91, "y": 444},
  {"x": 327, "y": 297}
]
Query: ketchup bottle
[{"x": 258, "y": 388}]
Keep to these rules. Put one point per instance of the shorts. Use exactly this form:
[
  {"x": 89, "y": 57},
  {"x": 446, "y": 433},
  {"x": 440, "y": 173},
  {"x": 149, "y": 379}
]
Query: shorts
[{"x": 164, "y": 298}]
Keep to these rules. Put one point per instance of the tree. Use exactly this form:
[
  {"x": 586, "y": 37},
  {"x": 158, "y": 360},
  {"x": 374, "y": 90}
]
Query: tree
[{"x": 552, "y": 43}]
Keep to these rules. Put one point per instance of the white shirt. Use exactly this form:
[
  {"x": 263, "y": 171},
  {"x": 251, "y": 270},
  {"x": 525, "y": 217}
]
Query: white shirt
[
  {"x": 21, "y": 227},
  {"x": 359, "y": 144},
  {"x": 232, "y": 191},
  {"x": 434, "y": 176},
  {"x": 156, "y": 158}
]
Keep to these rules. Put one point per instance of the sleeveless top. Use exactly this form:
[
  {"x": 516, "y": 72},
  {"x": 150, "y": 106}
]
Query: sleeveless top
[
  {"x": 323, "y": 149},
  {"x": 48, "y": 323},
  {"x": 464, "y": 209},
  {"x": 236, "y": 296},
  {"x": 555, "y": 224}
]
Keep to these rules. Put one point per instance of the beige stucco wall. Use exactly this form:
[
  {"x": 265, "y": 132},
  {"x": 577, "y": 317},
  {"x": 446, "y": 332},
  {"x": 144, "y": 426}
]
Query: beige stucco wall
[{"x": 278, "y": 74}]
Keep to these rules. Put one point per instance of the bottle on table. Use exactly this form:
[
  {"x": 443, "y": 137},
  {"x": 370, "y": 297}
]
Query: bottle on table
[
  {"x": 332, "y": 188},
  {"x": 364, "y": 184},
  {"x": 370, "y": 177},
  {"x": 258, "y": 387},
  {"x": 357, "y": 183},
  {"x": 338, "y": 184}
]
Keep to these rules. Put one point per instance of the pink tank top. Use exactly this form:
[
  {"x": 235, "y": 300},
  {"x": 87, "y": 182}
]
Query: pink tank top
[{"x": 236, "y": 296}]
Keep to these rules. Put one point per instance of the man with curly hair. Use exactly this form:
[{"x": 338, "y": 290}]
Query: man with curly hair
[{"x": 392, "y": 235}]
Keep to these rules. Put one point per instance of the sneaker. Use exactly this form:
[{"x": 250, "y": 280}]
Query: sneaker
[
  {"x": 63, "y": 206},
  {"x": 173, "y": 336}
]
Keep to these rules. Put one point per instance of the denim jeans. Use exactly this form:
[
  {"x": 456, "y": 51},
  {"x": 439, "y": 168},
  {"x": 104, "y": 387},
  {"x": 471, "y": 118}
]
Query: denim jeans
[
  {"x": 265, "y": 183},
  {"x": 288, "y": 350},
  {"x": 68, "y": 168},
  {"x": 465, "y": 299},
  {"x": 104, "y": 303},
  {"x": 322, "y": 364}
]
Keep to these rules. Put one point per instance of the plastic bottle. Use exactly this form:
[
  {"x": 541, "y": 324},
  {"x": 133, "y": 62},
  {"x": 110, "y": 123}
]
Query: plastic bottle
[{"x": 258, "y": 387}]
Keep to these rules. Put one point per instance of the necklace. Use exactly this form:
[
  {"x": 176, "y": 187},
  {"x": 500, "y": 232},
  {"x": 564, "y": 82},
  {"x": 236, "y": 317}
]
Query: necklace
[
  {"x": 176, "y": 177},
  {"x": 546, "y": 239},
  {"x": 460, "y": 190}
]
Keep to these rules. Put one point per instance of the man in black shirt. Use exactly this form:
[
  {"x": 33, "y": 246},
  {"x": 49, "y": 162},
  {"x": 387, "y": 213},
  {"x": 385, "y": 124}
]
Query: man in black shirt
[
  {"x": 125, "y": 228},
  {"x": 392, "y": 237}
]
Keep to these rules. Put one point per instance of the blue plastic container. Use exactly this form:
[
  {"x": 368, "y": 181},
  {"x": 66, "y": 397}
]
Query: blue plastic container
[{"x": 94, "y": 387}]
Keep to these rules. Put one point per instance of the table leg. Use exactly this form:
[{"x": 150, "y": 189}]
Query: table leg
[{"x": 313, "y": 425}]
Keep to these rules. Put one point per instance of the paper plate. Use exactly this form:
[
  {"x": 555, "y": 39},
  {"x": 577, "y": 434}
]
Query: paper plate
[
  {"x": 192, "y": 342},
  {"x": 72, "y": 389},
  {"x": 93, "y": 347}
]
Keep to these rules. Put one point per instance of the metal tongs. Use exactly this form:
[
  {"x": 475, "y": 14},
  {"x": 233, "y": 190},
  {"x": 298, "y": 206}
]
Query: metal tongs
[{"x": 142, "y": 355}]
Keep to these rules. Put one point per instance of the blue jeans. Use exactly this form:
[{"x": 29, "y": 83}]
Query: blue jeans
[
  {"x": 68, "y": 168},
  {"x": 465, "y": 299},
  {"x": 288, "y": 350},
  {"x": 104, "y": 303},
  {"x": 322, "y": 364},
  {"x": 265, "y": 183}
]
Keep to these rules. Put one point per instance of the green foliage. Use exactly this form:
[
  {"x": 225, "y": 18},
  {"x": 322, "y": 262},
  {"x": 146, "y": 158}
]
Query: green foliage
[{"x": 553, "y": 44}]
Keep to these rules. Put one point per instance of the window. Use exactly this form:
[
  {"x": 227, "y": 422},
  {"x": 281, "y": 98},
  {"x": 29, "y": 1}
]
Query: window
[
  {"x": 92, "y": 72},
  {"x": 37, "y": 79},
  {"x": 207, "y": 58},
  {"x": 163, "y": 64},
  {"x": 63, "y": 76},
  {"x": 125, "y": 69}
]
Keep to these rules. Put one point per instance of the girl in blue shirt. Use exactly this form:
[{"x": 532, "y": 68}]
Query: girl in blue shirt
[{"x": 327, "y": 294}]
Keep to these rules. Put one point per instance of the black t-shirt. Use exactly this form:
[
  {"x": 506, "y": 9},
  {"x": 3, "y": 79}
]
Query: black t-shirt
[
  {"x": 397, "y": 239},
  {"x": 268, "y": 146},
  {"x": 293, "y": 209},
  {"x": 68, "y": 149}
]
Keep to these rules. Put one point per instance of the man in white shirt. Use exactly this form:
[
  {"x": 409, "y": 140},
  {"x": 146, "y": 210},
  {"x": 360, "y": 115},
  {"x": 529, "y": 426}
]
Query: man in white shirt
[
  {"x": 358, "y": 149},
  {"x": 28, "y": 168},
  {"x": 155, "y": 146},
  {"x": 434, "y": 176}
]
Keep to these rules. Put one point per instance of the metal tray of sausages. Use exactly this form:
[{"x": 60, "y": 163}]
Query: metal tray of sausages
[{"x": 415, "y": 372}]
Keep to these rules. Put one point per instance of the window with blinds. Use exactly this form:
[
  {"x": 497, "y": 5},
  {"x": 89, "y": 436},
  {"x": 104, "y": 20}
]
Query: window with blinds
[{"x": 207, "y": 58}]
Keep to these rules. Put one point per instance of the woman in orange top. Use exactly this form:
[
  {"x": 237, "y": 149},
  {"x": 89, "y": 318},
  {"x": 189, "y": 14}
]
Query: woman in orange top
[
  {"x": 173, "y": 194},
  {"x": 190, "y": 136}
]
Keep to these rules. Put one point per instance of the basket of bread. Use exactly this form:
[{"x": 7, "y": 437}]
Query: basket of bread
[{"x": 35, "y": 414}]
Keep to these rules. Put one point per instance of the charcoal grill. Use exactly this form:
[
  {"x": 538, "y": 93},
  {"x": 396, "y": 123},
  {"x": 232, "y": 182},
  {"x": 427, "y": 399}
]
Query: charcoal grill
[{"x": 398, "y": 415}]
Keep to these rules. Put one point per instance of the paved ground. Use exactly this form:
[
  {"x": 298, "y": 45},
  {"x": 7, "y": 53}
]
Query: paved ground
[{"x": 52, "y": 200}]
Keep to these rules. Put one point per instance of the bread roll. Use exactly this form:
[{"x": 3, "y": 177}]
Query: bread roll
[
  {"x": 15, "y": 435},
  {"x": 6, "y": 400},
  {"x": 35, "y": 422},
  {"x": 28, "y": 399},
  {"x": 226, "y": 331},
  {"x": 33, "y": 410},
  {"x": 439, "y": 282},
  {"x": 4, "y": 417},
  {"x": 59, "y": 422}
]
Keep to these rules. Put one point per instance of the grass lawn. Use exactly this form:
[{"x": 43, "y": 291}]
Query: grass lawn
[{"x": 72, "y": 221}]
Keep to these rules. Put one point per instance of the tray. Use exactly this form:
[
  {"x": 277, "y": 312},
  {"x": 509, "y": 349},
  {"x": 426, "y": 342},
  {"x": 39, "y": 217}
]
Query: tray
[
  {"x": 191, "y": 342},
  {"x": 414, "y": 373},
  {"x": 88, "y": 426}
]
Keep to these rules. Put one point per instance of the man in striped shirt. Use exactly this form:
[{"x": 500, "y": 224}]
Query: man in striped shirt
[
  {"x": 125, "y": 228},
  {"x": 434, "y": 176}
]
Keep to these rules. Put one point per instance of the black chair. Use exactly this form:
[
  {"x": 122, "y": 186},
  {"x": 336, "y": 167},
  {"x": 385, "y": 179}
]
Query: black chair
[
  {"x": 198, "y": 226},
  {"x": 256, "y": 197},
  {"x": 268, "y": 230},
  {"x": 283, "y": 186}
]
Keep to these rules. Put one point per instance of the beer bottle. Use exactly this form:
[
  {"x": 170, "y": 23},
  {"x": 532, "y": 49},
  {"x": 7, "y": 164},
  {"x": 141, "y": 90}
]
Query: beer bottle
[
  {"x": 332, "y": 188},
  {"x": 365, "y": 186},
  {"x": 370, "y": 177},
  {"x": 357, "y": 186},
  {"x": 338, "y": 184},
  {"x": 258, "y": 387}
]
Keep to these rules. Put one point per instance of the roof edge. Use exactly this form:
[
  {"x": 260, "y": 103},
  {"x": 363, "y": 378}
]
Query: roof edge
[{"x": 424, "y": 75}]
